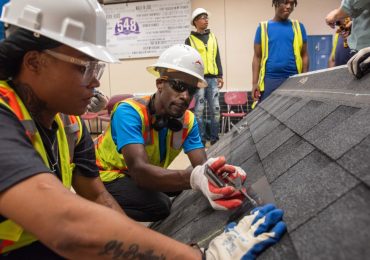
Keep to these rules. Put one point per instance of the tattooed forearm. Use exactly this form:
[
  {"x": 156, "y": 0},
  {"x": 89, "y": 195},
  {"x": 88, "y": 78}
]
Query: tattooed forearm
[{"x": 117, "y": 250}]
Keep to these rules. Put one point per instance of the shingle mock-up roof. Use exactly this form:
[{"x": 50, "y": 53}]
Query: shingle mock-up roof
[{"x": 306, "y": 148}]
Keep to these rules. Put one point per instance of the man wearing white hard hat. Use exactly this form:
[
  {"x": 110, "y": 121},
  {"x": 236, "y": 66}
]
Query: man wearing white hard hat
[
  {"x": 205, "y": 42},
  {"x": 146, "y": 135},
  {"x": 50, "y": 64}
]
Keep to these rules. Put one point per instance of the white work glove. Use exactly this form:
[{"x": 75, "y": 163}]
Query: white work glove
[
  {"x": 359, "y": 64},
  {"x": 220, "y": 198},
  {"x": 98, "y": 102},
  {"x": 254, "y": 233}
]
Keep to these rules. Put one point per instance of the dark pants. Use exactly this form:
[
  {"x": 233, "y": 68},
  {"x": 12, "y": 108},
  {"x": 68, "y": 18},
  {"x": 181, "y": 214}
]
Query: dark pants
[
  {"x": 139, "y": 204},
  {"x": 36, "y": 250},
  {"x": 270, "y": 86}
]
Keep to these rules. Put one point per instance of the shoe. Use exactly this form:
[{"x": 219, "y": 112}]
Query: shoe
[{"x": 213, "y": 142}]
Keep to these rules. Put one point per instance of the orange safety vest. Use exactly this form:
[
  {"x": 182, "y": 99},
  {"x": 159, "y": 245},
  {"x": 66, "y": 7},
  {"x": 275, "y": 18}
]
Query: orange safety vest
[
  {"x": 112, "y": 164},
  {"x": 12, "y": 236}
]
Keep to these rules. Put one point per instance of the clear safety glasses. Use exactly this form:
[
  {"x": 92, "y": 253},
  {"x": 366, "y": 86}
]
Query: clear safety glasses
[{"x": 93, "y": 69}]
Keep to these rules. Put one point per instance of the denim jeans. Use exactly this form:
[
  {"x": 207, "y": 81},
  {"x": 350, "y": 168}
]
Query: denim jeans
[{"x": 210, "y": 94}]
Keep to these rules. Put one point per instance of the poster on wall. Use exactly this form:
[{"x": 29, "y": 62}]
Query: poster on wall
[{"x": 146, "y": 29}]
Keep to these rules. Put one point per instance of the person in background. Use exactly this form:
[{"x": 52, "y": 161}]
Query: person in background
[
  {"x": 359, "y": 11},
  {"x": 205, "y": 42},
  {"x": 146, "y": 135},
  {"x": 280, "y": 50},
  {"x": 341, "y": 52}
]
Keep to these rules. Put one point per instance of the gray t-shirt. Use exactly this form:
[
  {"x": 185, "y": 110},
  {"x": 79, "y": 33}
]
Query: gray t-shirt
[
  {"x": 359, "y": 10},
  {"x": 19, "y": 160}
]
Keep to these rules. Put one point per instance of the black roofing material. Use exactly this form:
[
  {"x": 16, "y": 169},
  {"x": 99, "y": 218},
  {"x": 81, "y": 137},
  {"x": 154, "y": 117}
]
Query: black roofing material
[{"x": 310, "y": 140}]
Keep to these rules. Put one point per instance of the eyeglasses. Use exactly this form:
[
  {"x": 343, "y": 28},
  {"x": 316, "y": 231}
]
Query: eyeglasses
[
  {"x": 180, "y": 86},
  {"x": 93, "y": 69},
  {"x": 204, "y": 17}
]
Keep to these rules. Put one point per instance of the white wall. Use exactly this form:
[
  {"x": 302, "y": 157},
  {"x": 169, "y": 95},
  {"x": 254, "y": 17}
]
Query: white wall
[{"x": 234, "y": 23}]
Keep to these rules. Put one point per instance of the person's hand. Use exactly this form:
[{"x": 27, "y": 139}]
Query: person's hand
[
  {"x": 348, "y": 28},
  {"x": 98, "y": 102},
  {"x": 223, "y": 198},
  {"x": 220, "y": 83},
  {"x": 254, "y": 233},
  {"x": 256, "y": 94},
  {"x": 331, "y": 18},
  {"x": 359, "y": 64}
]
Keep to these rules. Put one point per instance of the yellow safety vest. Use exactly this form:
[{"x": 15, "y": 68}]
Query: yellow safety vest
[
  {"x": 297, "y": 47},
  {"x": 335, "y": 43},
  {"x": 208, "y": 53},
  {"x": 12, "y": 236},
  {"x": 112, "y": 164}
]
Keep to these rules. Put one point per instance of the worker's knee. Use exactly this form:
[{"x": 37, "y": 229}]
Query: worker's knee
[{"x": 158, "y": 208}]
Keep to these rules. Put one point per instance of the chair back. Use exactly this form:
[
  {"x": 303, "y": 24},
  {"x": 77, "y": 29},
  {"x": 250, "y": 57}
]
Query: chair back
[
  {"x": 116, "y": 98},
  {"x": 192, "y": 104},
  {"x": 234, "y": 98}
]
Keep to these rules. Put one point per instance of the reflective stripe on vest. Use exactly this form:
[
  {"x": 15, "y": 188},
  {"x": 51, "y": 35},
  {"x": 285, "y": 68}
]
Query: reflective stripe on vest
[
  {"x": 112, "y": 164},
  {"x": 208, "y": 53},
  {"x": 297, "y": 47},
  {"x": 335, "y": 43},
  {"x": 12, "y": 235}
]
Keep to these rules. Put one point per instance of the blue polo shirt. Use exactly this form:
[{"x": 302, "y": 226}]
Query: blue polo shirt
[
  {"x": 126, "y": 128},
  {"x": 281, "y": 61}
]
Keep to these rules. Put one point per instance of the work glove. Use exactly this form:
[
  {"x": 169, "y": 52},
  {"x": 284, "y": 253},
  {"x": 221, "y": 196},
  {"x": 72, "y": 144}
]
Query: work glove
[
  {"x": 254, "y": 233},
  {"x": 359, "y": 64},
  {"x": 220, "y": 198},
  {"x": 98, "y": 102}
]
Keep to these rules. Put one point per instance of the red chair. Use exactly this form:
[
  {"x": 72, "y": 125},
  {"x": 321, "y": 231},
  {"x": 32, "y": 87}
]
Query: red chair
[
  {"x": 192, "y": 104},
  {"x": 105, "y": 116},
  {"x": 236, "y": 99}
]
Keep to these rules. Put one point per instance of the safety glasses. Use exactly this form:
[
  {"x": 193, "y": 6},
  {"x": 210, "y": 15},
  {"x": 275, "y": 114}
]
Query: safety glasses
[
  {"x": 93, "y": 69},
  {"x": 203, "y": 17},
  {"x": 180, "y": 86}
]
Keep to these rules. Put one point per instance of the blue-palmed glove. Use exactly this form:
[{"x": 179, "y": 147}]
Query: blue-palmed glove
[{"x": 254, "y": 233}]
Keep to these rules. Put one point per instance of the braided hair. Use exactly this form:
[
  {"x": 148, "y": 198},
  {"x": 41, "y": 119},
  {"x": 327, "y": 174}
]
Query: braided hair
[{"x": 276, "y": 3}]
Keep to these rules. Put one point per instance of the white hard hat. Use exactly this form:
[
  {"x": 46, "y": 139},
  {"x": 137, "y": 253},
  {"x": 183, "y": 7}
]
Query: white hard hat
[
  {"x": 197, "y": 12},
  {"x": 183, "y": 58},
  {"x": 79, "y": 24}
]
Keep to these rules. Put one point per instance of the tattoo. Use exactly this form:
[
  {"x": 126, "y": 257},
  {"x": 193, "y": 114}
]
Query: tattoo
[
  {"x": 117, "y": 250},
  {"x": 34, "y": 105}
]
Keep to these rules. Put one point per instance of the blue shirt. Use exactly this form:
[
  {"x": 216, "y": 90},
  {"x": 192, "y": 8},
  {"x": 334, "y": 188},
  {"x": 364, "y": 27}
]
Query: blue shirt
[
  {"x": 2, "y": 31},
  {"x": 126, "y": 129},
  {"x": 281, "y": 61}
]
